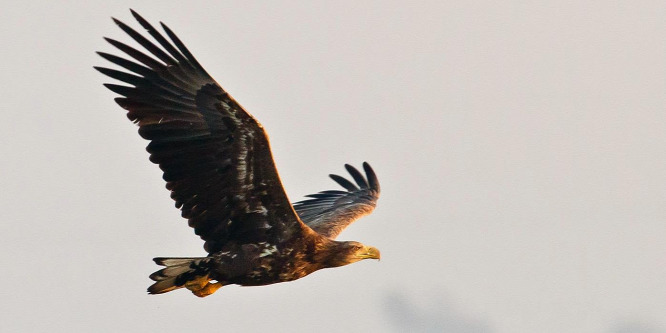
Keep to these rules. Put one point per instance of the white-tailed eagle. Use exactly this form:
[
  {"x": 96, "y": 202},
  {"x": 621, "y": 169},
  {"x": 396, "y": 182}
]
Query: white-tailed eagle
[{"x": 218, "y": 166}]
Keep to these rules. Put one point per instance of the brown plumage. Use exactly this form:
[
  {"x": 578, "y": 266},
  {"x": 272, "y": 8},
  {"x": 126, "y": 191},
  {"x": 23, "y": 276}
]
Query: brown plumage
[{"x": 217, "y": 163}]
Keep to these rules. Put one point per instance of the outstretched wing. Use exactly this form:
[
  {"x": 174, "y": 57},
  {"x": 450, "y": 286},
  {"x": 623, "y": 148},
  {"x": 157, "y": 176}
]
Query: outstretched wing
[
  {"x": 215, "y": 156},
  {"x": 330, "y": 212}
]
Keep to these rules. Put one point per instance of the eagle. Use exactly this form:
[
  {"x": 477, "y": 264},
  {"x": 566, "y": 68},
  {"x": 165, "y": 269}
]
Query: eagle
[{"x": 217, "y": 164}]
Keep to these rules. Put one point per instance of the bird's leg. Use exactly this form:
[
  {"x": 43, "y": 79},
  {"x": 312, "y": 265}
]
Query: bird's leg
[
  {"x": 208, "y": 289},
  {"x": 201, "y": 286},
  {"x": 197, "y": 283}
]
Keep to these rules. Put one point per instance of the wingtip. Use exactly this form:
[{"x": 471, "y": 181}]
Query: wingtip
[
  {"x": 358, "y": 177},
  {"x": 371, "y": 176},
  {"x": 350, "y": 168},
  {"x": 368, "y": 168},
  {"x": 105, "y": 55},
  {"x": 144, "y": 23},
  {"x": 122, "y": 25},
  {"x": 111, "y": 41},
  {"x": 342, "y": 181},
  {"x": 166, "y": 28}
]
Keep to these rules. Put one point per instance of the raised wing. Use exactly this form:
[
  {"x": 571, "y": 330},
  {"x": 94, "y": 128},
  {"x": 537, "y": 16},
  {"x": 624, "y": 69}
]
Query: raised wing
[
  {"x": 215, "y": 156},
  {"x": 330, "y": 212}
]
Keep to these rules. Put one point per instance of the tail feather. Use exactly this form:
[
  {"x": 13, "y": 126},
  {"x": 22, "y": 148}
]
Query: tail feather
[
  {"x": 174, "y": 267},
  {"x": 163, "y": 286},
  {"x": 173, "y": 261},
  {"x": 177, "y": 273}
]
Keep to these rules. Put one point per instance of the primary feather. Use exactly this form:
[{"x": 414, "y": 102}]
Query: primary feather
[{"x": 330, "y": 212}]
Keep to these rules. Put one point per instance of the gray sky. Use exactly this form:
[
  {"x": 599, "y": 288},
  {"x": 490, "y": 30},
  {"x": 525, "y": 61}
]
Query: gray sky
[{"x": 520, "y": 147}]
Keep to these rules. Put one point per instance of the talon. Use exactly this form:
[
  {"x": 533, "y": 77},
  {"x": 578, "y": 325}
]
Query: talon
[
  {"x": 198, "y": 283},
  {"x": 208, "y": 289}
]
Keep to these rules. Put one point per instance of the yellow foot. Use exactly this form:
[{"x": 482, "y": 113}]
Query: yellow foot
[
  {"x": 197, "y": 283},
  {"x": 208, "y": 289}
]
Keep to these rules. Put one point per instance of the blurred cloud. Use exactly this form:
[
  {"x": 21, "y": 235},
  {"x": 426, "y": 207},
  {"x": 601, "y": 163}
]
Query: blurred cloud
[{"x": 436, "y": 314}]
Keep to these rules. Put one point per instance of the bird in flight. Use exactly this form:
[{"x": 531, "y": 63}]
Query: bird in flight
[{"x": 217, "y": 163}]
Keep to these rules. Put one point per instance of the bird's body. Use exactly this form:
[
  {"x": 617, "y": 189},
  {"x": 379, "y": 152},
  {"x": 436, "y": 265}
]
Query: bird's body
[{"x": 218, "y": 165}]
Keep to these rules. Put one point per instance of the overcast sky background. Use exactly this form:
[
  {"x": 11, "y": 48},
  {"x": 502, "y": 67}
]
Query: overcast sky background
[{"x": 521, "y": 149}]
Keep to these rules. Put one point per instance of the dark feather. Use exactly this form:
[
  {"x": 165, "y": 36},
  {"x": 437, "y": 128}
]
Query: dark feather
[
  {"x": 214, "y": 155},
  {"x": 183, "y": 49},
  {"x": 136, "y": 54},
  {"x": 159, "y": 38},
  {"x": 329, "y": 212},
  {"x": 344, "y": 183},
  {"x": 129, "y": 65},
  {"x": 148, "y": 45},
  {"x": 358, "y": 178}
]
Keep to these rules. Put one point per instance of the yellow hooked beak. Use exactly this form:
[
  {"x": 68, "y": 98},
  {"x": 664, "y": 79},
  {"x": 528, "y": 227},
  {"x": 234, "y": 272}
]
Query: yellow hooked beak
[{"x": 368, "y": 252}]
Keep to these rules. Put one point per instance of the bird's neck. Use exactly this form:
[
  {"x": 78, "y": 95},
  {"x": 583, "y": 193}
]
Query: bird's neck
[{"x": 330, "y": 253}]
